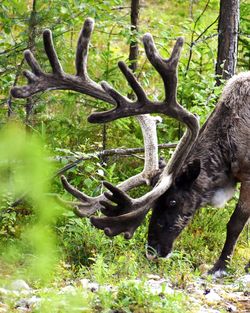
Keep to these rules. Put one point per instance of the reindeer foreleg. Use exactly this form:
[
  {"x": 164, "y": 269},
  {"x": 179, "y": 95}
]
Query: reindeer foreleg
[{"x": 235, "y": 226}]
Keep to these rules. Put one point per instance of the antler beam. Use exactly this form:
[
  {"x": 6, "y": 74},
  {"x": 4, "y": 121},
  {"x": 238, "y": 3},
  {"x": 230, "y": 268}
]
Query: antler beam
[
  {"x": 126, "y": 214},
  {"x": 39, "y": 81},
  {"x": 130, "y": 212}
]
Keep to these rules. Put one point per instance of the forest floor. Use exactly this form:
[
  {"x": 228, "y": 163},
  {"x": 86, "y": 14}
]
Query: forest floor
[{"x": 203, "y": 295}]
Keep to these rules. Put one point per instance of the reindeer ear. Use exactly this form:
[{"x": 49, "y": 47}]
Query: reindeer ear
[{"x": 188, "y": 176}]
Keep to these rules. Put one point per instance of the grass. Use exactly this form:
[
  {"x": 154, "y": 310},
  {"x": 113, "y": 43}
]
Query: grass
[{"x": 85, "y": 253}]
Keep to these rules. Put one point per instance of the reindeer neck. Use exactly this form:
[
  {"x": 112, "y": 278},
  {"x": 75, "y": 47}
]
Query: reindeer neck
[{"x": 215, "y": 184}]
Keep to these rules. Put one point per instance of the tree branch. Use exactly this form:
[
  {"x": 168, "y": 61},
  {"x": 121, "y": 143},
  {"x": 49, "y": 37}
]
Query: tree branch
[{"x": 110, "y": 152}]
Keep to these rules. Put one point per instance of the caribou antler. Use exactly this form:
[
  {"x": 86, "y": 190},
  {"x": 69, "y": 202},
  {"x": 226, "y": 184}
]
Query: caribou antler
[
  {"x": 39, "y": 81},
  {"x": 128, "y": 213},
  {"x": 89, "y": 205}
]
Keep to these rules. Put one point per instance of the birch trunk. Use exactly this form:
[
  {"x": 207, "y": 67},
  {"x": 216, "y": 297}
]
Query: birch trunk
[{"x": 228, "y": 39}]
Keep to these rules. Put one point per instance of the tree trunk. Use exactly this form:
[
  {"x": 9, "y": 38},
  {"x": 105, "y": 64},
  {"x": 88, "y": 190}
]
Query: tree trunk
[
  {"x": 228, "y": 39},
  {"x": 31, "y": 45},
  {"x": 32, "y": 24},
  {"x": 133, "y": 50}
]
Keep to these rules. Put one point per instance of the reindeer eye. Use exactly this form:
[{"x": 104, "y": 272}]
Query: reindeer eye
[
  {"x": 160, "y": 224},
  {"x": 172, "y": 203}
]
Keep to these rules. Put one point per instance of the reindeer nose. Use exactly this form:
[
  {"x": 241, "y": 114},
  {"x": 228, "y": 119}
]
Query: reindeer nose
[{"x": 151, "y": 252}]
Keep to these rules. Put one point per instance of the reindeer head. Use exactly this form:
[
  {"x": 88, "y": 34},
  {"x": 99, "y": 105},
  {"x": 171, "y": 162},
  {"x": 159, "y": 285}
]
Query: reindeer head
[{"x": 172, "y": 211}]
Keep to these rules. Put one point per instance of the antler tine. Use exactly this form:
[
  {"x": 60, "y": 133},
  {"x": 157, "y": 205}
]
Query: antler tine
[
  {"x": 176, "y": 52},
  {"x": 133, "y": 82},
  {"x": 72, "y": 190},
  {"x": 117, "y": 222},
  {"x": 167, "y": 68},
  {"x": 128, "y": 214},
  {"x": 40, "y": 81},
  {"x": 127, "y": 223},
  {"x": 32, "y": 78},
  {"x": 51, "y": 52},
  {"x": 89, "y": 205},
  {"x": 119, "y": 99},
  {"x": 130, "y": 211},
  {"x": 122, "y": 213},
  {"x": 31, "y": 60},
  {"x": 82, "y": 48},
  {"x": 79, "y": 208},
  {"x": 58, "y": 79},
  {"x": 124, "y": 106}
]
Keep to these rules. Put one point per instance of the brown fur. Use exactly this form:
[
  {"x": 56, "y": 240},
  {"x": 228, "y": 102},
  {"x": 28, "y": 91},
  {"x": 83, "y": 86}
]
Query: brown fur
[{"x": 223, "y": 152}]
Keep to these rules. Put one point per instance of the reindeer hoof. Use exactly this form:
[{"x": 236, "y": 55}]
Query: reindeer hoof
[
  {"x": 219, "y": 269},
  {"x": 247, "y": 268}
]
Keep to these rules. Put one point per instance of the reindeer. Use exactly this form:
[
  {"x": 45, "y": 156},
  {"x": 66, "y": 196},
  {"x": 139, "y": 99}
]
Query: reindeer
[{"x": 204, "y": 169}]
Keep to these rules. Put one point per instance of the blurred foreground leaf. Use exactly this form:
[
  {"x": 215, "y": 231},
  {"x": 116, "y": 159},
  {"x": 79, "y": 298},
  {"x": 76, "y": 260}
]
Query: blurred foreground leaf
[{"x": 24, "y": 168}]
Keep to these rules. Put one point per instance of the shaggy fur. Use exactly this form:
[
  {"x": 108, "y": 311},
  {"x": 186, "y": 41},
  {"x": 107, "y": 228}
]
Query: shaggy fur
[{"x": 218, "y": 160}]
